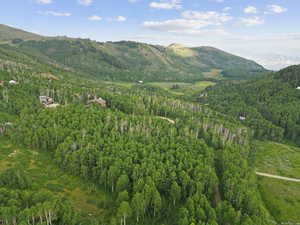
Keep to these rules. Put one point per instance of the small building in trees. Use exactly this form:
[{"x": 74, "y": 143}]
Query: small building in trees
[
  {"x": 242, "y": 118},
  {"x": 203, "y": 95},
  {"x": 52, "y": 106},
  {"x": 99, "y": 101},
  {"x": 48, "y": 102},
  {"x": 140, "y": 82},
  {"x": 298, "y": 88},
  {"x": 13, "y": 82}
]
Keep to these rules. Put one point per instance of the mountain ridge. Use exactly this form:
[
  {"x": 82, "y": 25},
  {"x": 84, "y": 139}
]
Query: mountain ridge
[
  {"x": 131, "y": 61},
  {"x": 8, "y": 33}
]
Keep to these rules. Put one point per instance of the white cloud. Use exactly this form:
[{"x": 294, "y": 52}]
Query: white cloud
[
  {"x": 44, "y": 1},
  {"x": 211, "y": 16},
  {"x": 252, "y": 21},
  {"x": 227, "y": 9},
  {"x": 167, "y": 4},
  {"x": 85, "y": 2},
  {"x": 250, "y": 9},
  {"x": 182, "y": 26},
  {"x": 276, "y": 9},
  {"x": 175, "y": 25},
  {"x": 53, "y": 13},
  {"x": 191, "y": 22},
  {"x": 118, "y": 19},
  {"x": 95, "y": 18}
]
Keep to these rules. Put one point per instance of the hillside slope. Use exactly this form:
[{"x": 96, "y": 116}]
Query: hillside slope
[
  {"x": 131, "y": 61},
  {"x": 270, "y": 105},
  {"x": 138, "y": 61},
  {"x": 9, "y": 34}
]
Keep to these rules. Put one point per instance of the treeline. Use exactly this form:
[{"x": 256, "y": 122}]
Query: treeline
[
  {"x": 20, "y": 204},
  {"x": 269, "y": 106},
  {"x": 242, "y": 74},
  {"x": 290, "y": 75},
  {"x": 150, "y": 167}
]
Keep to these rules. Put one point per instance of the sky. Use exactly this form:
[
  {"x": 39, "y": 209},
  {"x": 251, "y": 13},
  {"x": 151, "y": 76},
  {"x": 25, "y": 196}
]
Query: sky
[{"x": 267, "y": 31}]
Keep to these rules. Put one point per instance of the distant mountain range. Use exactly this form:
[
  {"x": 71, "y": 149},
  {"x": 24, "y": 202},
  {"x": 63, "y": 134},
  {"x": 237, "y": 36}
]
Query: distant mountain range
[
  {"x": 131, "y": 61},
  {"x": 277, "y": 61}
]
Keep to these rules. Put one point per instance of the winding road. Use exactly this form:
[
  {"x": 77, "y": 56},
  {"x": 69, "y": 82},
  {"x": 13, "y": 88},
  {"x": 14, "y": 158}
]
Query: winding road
[{"x": 277, "y": 177}]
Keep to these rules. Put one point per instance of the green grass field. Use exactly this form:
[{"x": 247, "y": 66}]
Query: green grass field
[
  {"x": 213, "y": 74},
  {"x": 183, "y": 88},
  {"x": 122, "y": 84},
  {"x": 86, "y": 198},
  {"x": 279, "y": 159},
  {"x": 282, "y": 198}
]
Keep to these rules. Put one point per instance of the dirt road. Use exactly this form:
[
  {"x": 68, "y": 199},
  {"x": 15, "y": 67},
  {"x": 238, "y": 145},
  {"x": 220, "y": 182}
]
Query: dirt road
[{"x": 277, "y": 177}]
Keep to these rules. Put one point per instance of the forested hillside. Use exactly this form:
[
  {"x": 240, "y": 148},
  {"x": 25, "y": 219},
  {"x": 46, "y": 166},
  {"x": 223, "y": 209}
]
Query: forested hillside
[
  {"x": 132, "y": 61},
  {"x": 271, "y": 106},
  {"x": 156, "y": 159}
]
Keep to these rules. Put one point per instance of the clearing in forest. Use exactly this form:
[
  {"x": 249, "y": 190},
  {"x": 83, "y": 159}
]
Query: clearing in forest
[{"x": 280, "y": 194}]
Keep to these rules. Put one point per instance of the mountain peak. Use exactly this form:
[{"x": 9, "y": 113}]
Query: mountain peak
[
  {"x": 181, "y": 50},
  {"x": 176, "y": 45}
]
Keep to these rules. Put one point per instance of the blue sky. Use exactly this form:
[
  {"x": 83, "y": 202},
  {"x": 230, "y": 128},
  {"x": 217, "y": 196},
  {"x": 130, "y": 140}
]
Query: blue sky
[{"x": 258, "y": 29}]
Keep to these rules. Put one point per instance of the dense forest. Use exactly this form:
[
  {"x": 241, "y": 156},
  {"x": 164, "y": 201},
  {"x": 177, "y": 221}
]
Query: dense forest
[
  {"x": 195, "y": 170},
  {"x": 271, "y": 105}
]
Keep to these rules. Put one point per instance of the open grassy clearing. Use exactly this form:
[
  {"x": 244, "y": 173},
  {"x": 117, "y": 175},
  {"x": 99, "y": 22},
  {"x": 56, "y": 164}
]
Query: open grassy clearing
[
  {"x": 213, "y": 74},
  {"x": 278, "y": 159},
  {"x": 282, "y": 198},
  {"x": 122, "y": 84},
  {"x": 175, "y": 88},
  {"x": 180, "y": 88},
  {"x": 87, "y": 199}
]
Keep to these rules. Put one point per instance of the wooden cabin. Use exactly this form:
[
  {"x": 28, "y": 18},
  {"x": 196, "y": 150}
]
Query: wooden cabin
[
  {"x": 98, "y": 101},
  {"x": 48, "y": 102}
]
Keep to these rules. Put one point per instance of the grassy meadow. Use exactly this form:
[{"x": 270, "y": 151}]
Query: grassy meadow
[
  {"x": 180, "y": 88},
  {"x": 282, "y": 198}
]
